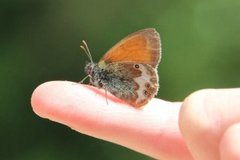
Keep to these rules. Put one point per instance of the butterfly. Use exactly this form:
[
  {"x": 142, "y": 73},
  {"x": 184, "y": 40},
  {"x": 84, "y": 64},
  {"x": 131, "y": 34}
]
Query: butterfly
[{"x": 129, "y": 69}]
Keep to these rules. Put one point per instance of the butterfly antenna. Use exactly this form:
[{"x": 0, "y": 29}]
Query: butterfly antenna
[{"x": 86, "y": 50}]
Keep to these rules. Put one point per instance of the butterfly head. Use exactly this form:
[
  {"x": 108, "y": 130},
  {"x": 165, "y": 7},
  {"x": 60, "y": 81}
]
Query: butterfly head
[{"x": 89, "y": 68}]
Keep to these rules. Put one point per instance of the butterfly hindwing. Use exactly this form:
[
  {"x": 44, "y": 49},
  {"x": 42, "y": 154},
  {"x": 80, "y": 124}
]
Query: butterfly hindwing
[{"x": 134, "y": 83}]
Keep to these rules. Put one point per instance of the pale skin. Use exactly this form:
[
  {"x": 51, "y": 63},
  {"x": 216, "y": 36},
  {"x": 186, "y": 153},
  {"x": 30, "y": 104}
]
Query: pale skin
[{"x": 205, "y": 126}]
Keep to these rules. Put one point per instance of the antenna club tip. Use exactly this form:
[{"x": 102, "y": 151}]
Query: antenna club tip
[{"x": 84, "y": 46}]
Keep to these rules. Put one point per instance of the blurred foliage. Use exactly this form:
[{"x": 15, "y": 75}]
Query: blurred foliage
[{"x": 40, "y": 42}]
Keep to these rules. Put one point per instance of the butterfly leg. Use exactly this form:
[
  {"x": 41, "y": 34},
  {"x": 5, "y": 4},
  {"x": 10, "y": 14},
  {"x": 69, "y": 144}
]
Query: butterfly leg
[
  {"x": 106, "y": 95},
  {"x": 83, "y": 79}
]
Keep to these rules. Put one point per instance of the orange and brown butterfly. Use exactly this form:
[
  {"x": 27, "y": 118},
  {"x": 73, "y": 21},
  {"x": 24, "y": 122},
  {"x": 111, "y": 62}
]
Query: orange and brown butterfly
[{"x": 129, "y": 69}]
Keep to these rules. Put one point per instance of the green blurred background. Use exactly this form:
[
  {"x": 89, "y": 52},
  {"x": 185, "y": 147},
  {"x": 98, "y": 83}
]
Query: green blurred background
[{"x": 40, "y": 42}]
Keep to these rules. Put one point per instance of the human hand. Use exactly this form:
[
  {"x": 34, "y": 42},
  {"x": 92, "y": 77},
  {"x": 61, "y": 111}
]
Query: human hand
[{"x": 208, "y": 120}]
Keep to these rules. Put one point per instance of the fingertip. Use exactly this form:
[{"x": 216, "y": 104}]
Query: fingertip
[
  {"x": 195, "y": 125},
  {"x": 72, "y": 103},
  {"x": 191, "y": 108},
  {"x": 54, "y": 96},
  {"x": 203, "y": 117},
  {"x": 230, "y": 143},
  {"x": 38, "y": 97}
]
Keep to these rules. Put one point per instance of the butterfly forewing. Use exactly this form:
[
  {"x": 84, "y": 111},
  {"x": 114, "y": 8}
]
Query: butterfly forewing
[{"x": 140, "y": 47}]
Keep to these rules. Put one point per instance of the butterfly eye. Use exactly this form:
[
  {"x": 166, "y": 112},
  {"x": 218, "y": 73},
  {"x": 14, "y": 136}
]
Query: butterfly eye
[{"x": 136, "y": 66}]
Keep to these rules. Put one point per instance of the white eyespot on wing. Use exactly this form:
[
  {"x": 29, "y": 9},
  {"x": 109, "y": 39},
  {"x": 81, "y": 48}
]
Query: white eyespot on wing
[{"x": 148, "y": 78}]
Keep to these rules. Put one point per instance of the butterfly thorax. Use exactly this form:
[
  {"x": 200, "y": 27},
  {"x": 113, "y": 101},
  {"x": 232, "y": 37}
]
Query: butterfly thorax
[
  {"x": 107, "y": 76},
  {"x": 94, "y": 72}
]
